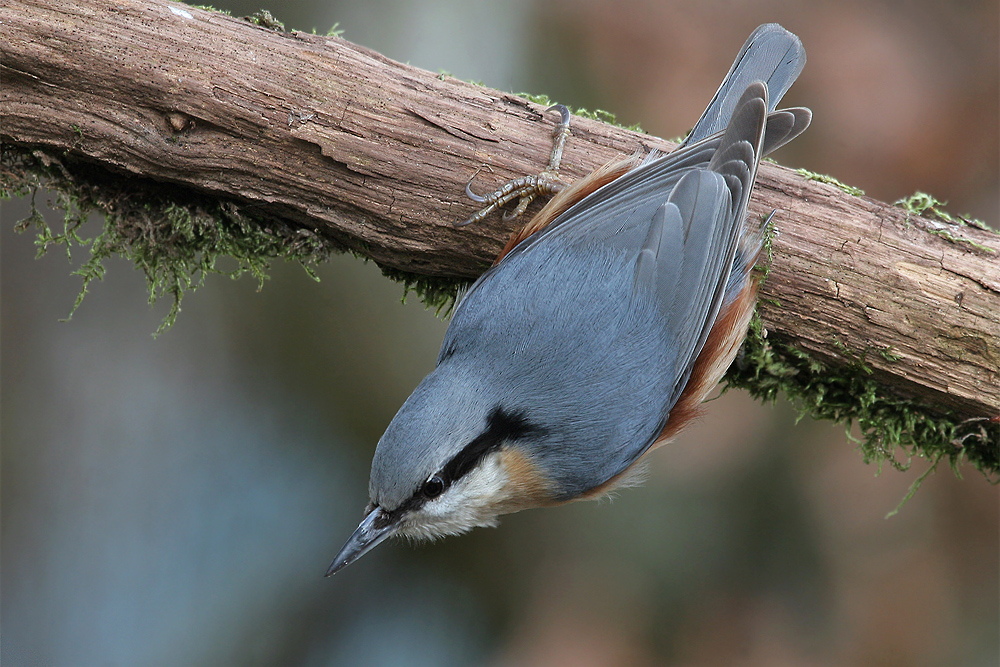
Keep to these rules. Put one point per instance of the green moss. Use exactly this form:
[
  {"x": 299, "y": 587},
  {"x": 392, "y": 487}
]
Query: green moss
[
  {"x": 951, "y": 238},
  {"x": 923, "y": 204},
  {"x": 542, "y": 100},
  {"x": 265, "y": 19},
  {"x": 176, "y": 245},
  {"x": 927, "y": 206},
  {"x": 887, "y": 354},
  {"x": 441, "y": 294},
  {"x": 830, "y": 180},
  {"x": 597, "y": 114},
  {"x": 210, "y": 8},
  {"x": 893, "y": 430}
]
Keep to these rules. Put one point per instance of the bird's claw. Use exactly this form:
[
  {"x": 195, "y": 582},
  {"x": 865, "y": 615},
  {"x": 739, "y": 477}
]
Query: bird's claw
[{"x": 526, "y": 188}]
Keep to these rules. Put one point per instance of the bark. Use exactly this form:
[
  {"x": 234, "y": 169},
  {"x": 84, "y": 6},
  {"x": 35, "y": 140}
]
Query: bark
[{"x": 374, "y": 155}]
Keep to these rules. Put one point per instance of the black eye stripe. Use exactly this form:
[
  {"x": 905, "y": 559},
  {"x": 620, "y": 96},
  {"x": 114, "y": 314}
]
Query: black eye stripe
[{"x": 501, "y": 426}]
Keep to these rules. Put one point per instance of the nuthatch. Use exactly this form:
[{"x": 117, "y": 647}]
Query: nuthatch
[{"x": 600, "y": 329}]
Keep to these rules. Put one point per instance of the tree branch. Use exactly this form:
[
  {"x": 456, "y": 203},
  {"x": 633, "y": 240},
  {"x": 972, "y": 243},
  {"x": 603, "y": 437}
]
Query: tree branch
[{"x": 331, "y": 139}]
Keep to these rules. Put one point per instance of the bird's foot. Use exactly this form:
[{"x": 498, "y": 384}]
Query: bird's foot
[{"x": 526, "y": 188}]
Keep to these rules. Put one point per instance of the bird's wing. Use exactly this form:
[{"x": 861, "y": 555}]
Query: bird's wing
[
  {"x": 679, "y": 219},
  {"x": 772, "y": 55},
  {"x": 782, "y": 126},
  {"x": 689, "y": 281}
]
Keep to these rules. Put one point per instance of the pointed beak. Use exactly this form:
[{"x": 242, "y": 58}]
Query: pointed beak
[{"x": 376, "y": 527}]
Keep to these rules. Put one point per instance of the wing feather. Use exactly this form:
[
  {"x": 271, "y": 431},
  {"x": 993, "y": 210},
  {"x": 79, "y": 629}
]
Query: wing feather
[{"x": 679, "y": 218}]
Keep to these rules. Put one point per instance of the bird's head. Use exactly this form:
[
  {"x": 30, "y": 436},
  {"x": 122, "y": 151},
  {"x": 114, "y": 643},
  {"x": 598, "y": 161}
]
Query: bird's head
[{"x": 453, "y": 458}]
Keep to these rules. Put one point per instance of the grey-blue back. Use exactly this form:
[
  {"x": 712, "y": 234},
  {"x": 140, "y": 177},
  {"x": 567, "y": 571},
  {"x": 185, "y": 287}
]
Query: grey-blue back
[{"x": 590, "y": 327}]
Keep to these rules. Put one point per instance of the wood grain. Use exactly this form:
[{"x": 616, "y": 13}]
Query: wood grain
[{"x": 373, "y": 154}]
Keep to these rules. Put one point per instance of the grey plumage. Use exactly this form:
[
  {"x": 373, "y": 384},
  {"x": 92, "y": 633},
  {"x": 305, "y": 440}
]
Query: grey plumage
[
  {"x": 590, "y": 326},
  {"x": 575, "y": 347}
]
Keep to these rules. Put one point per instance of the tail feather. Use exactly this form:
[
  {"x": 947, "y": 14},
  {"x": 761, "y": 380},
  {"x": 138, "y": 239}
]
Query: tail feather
[
  {"x": 783, "y": 126},
  {"x": 771, "y": 54}
]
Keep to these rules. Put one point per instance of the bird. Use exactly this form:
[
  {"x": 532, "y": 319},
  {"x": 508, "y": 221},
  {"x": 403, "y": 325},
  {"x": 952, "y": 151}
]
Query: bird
[{"x": 600, "y": 329}]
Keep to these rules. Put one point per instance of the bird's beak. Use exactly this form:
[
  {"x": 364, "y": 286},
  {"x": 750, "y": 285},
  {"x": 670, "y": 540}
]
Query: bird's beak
[{"x": 375, "y": 528}]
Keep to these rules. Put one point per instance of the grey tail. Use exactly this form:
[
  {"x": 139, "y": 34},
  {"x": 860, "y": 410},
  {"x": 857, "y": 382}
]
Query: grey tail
[
  {"x": 783, "y": 126},
  {"x": 772, "y": 55}
]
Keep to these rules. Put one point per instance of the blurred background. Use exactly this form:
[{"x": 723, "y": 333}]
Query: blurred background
[{"x": 176, "y": 501}]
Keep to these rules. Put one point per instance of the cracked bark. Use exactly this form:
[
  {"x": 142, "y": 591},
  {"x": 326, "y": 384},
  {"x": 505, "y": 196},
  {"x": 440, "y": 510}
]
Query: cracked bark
[{"x": 374, "y": 155}]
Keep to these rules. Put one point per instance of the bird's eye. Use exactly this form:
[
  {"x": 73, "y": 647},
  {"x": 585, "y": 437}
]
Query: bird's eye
[{"x": 433, "y": 487}]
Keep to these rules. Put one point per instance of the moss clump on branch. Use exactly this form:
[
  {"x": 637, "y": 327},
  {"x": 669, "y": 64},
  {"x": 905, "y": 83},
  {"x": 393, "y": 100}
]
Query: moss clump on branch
[
  {"x": 265, "y": 19},
  {"x": 176, "y": 245},
  {"x": 599, "y": 115},
  {"x": 438, "y": 293},
  {"x": 928, "y": 206},
  {"x": 830, "y": 180},
  {"x": 949, "y": 227},
  {"x": 892, "y": 430}
]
